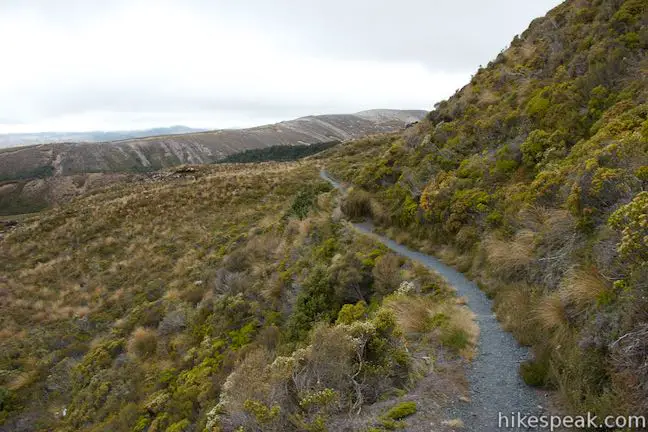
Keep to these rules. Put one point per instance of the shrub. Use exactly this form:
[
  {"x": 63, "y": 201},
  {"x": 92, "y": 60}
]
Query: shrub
[
  {"x": 181, "y": 426},
  {"x": 316, "y": 302},
  {"x": 630, "y": 11},
  {"x": 143, "y": 342},
  {"x": 262, "y": 413},
  {"x": 541, "y": 146},
  {"x": 402, "y": 410},
  {"x": 357, "y": 204},
  {"x": 386, "y": 274},
  {"x": 302, "y": 203},
  {"x": 534, "y": 373},
  {"x": 350, "y": 313},
  {"x": 538, "y": 105},
  {"x": 632, "y": 219}
]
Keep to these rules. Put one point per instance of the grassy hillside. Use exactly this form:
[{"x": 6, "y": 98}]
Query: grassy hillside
[
  {"x": 534, "y": 178},
  {"x": 35, "y": 177},
  {"x": 230, "y": 297}
]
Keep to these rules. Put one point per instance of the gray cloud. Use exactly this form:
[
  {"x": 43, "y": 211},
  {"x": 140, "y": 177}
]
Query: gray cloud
[
  {"x": 455, "y": 35},
  {"x": 75, "y": 64}
]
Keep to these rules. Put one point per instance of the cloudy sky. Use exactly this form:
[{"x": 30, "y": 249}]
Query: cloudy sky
[{"x": 76, "y": 65}]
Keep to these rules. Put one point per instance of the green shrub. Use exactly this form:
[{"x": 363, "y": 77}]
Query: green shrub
[
  {"x": 631, "y": 11},
  {"x": 316, "y": 302},
  {"x": 534, "y": 373},
  {"x": 540, "y": 146},
  {"x": 632, "y": 220},
  {"x": 305, "y": 200},
  {"x": 538, "y": 104},
  {"x": 402, "y": 410},
  {"x": 350, "y": 313},
  {"x": 455, "y": 338},
  {"x": 262, "y": 413},
  {"x": 181, "y": 426}
]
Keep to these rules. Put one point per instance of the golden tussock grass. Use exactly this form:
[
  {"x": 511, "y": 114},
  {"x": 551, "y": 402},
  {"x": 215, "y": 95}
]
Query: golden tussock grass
[
  {"x": 510, "y": 256},
  {"x": 583, "y": 287},
  {"x": 551, "y": 316},
  {"x": 418, "y": 316},
  {"x": 120, "y": 238},
  {"x": 514, "y": 306}
]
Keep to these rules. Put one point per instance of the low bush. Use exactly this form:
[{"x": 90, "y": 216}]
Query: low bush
[
  {"x": 402, "y": 410},
  {"x": 143, "y": 342},
  {"x": 357, "y": 204}
]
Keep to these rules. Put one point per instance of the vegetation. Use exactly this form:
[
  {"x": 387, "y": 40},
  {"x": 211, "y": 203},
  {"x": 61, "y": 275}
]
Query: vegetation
[
  {"x": 236, "y": 298},
  {"x": 279, "y": 153},
  {"x": 232, "y": 298},
  {"x": 532, "y": 178}
]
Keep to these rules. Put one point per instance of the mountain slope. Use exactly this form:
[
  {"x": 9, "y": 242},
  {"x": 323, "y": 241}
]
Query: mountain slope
[
  {"x": 534, "y": 178},
  {"x": 152, "y": 153},
  {"x": 23, "y": 139}
]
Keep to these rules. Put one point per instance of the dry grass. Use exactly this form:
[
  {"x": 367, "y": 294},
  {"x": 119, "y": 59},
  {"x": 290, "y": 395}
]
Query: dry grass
[
  {"x": 420, "y": 316},
  {"x": 357, "y": 204},
  {"x": 86, "y": 263},
  {"x": 550, "y": 314},
  {"x": 514, "y": 304},
  {"x": 583, "y": 287},
  {"x": 122, "y": 233},
  {"x": 488, "y": 97},
  {"x": 513, "y": 257}
]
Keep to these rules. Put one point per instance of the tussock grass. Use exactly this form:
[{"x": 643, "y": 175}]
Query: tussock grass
[
  {"x": 511, "y": 258},
  {"x": 514, "y": 305},
  {"x": 583, "y": 287},
  {"x": 551, "y": 316},
  {"x": 449, "y": 324},
  {"x": 357, "y": 204}
]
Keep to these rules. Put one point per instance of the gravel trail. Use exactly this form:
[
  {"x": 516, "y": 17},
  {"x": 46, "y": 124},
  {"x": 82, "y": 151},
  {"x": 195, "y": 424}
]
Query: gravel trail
[{"x": 495, "y": 384}]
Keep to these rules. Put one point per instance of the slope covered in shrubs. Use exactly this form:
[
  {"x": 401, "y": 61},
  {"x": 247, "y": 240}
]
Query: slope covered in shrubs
[
  {"x": 229, "y": 298},
  {"x": 533, "y": 178}
]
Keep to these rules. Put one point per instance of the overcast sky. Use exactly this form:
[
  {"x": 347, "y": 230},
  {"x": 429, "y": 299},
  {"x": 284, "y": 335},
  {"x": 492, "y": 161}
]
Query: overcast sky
[{"x": 76, "y": 65}]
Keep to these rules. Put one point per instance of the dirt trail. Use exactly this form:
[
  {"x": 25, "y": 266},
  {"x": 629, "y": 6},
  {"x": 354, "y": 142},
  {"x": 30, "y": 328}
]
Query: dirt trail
[{"x": 495, "y": 384}]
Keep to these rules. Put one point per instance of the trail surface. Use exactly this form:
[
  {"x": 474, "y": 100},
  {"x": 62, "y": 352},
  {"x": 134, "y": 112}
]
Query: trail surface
[{"x": 495, "y": 384}]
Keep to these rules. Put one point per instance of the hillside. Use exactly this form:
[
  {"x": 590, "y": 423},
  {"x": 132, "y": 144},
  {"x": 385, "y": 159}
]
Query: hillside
[
  {"x": 153, "y": 153},
  {"x": 23, "y": 139},
  {"x": 36, "y": 177},
  {"x": 231, "y": 296},
  {"x": 249, "y": 297},
  {"x": 533, "y": 178}
]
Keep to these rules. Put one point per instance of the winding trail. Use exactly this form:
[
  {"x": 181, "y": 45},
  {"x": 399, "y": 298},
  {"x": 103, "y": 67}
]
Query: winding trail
[{"x": 495, "y": 384}]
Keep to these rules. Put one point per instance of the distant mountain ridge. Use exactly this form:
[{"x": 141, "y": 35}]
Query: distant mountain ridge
[
  {"x": 156, "y": 152},
  {"x": 23, "y": 139},
  {"x": 35, "y": 177}
]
